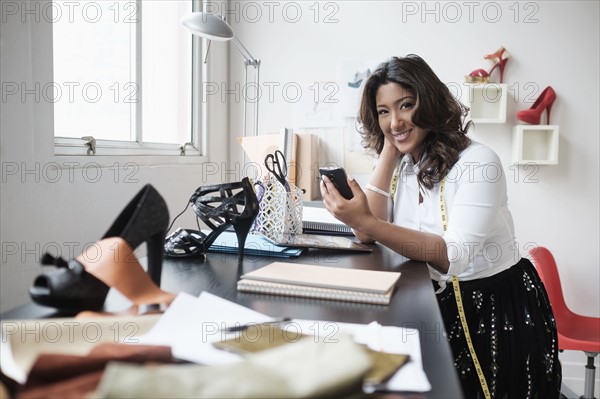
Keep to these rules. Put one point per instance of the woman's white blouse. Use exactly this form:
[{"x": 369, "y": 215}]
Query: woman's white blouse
[{"x": 481, "y": 236}]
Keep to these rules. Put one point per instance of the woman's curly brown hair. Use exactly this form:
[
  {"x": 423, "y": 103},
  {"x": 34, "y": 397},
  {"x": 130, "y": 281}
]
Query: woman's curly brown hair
[{"x": 437, "y": 112}]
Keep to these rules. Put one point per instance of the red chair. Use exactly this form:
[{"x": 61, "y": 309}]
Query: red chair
[{"x": 575, "y": 332}]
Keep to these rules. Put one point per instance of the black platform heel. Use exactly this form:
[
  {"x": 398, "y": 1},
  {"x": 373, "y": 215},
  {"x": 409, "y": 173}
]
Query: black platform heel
[
  {"x": 70, "y": 287},
  {"x": 219, "y": 207}
]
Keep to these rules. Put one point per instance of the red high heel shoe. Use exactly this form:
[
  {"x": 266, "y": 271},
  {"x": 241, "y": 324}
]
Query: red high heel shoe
[
  {"x": 498, "y": 55},
  {"x": 543, "y": 102},
  {"x": 499, "y": 58}
]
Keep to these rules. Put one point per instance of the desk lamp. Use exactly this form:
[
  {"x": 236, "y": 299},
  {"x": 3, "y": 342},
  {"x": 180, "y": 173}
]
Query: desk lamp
[{"x": 213, "y": 27}]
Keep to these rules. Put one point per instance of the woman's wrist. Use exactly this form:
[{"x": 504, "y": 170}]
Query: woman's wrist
[
  {"x": 368, "y": 225},
  {"x": 390, "y": 153},
  {"x": 382, "y": 175}
]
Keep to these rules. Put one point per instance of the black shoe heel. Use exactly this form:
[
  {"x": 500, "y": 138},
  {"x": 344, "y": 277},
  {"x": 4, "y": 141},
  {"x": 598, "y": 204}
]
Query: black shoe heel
[
  {"x": 218, "y": 207},
  {"x": 242, "y": 229},
  {"x": 243, "y": 223},
  {"x": 155, "y": 256},
  {"x": 70, "y": 287}
]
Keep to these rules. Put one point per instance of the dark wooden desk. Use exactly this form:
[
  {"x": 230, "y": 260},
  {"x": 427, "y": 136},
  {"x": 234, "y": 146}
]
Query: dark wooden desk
[{"x": 413, "y": 304}]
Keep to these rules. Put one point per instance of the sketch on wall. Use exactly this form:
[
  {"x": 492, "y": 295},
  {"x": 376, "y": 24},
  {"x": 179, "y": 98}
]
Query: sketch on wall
[
  {"x": 330, "y": 109},
  {"x": 351, "y": 76}
]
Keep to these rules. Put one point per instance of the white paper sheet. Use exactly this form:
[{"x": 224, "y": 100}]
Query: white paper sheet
[
  {"x": 7, "y": 362},
  {"x": 190, "y": 326}
]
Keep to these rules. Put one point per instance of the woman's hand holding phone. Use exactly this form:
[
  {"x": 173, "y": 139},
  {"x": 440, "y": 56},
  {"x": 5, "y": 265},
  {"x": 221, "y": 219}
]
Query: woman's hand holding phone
[
  {"x": 338, "y": 177},
  {"x": 354, "y": 212}
]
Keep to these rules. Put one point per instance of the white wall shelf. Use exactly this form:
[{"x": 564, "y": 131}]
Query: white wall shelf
[
  {"x": 487, "y": 102},
  {"x": 535, "y": 143}
]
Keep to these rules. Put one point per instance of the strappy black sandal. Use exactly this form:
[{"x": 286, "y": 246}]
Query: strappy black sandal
[
  {"x": 219, "y": 207},
  {"x": 184, "y": 243}
]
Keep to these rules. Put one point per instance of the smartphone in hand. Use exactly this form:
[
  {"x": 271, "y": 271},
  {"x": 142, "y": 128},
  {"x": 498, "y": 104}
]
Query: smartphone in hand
[{"x": 339, "y": 179}]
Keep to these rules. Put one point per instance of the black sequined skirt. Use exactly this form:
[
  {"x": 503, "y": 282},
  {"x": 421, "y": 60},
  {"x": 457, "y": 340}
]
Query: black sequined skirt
[{"x": 513, "y": 331}]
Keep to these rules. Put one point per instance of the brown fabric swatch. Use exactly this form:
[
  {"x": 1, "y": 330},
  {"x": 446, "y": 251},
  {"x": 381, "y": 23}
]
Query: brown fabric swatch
[{"x": 70, "y": 376}]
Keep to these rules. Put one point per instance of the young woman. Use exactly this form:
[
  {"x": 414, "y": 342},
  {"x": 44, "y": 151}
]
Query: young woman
[{"x": 438, "y": 197}]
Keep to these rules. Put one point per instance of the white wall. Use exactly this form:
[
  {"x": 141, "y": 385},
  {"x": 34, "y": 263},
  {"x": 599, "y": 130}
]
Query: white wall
[{"x": 557, "y": 46}]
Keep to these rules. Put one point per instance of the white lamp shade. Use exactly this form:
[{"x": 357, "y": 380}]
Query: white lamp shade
[{"x": 208, "y": 26}]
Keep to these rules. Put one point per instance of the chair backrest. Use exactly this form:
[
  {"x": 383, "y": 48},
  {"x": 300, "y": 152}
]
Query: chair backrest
[{"x": 546, "y": 267}]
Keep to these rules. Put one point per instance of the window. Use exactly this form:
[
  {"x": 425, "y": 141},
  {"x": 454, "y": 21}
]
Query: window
[{"x": 123, "y": 75}]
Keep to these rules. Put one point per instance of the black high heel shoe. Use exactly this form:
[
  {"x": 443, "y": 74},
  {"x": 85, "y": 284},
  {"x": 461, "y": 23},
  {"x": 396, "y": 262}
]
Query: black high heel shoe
[
  {"x": 70, "y": 287},
  {"x": 218, "y": 206}
]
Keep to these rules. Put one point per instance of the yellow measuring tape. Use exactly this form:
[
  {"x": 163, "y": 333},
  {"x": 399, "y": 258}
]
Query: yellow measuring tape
[
  {"x": 455, "y": 285},
  {"x": 459, "y": 304},
  {"x": 394, "y": 183},
  {"x": 443, "y": 205},
  {"x": 463, "y": 321}
]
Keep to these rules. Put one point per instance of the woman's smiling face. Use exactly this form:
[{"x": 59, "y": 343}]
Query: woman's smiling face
[{"x": 395, "y": 108}]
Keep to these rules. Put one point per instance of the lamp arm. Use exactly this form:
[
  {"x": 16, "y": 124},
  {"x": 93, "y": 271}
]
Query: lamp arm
[
  {"x": 256, "y": 66},
  {"x": 245, "y": 53},
  {"x": 249, "y": 61},
  {"x": 257, "y": 98}
]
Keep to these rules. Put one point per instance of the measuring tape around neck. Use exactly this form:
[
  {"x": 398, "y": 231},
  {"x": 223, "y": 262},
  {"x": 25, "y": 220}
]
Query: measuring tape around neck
[
  {"x": 394, "y": 183},
  {"x": 443, "y": 205},
  {"x": 394, "y": 187}
]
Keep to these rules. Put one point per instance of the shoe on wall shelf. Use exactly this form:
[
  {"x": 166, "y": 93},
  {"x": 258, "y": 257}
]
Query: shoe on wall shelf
[
  {"x": 535, "y": 144},
  {"x": 487, "y": 102},
  {"x": 499, "y": 58}
]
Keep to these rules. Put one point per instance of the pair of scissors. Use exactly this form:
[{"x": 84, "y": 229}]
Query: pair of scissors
[{"x": 276, "y": 164}]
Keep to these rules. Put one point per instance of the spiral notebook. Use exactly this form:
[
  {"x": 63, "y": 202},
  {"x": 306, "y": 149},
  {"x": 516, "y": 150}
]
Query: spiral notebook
[
  {"x": 322, "y": 282},
  {"x": 320, "y": 221},
  {"x": 336, "y": 243}
]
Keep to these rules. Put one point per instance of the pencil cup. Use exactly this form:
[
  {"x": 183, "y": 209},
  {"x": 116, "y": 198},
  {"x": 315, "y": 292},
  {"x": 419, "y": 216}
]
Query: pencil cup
[{"x": 280, "y": 212}]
